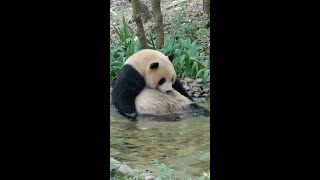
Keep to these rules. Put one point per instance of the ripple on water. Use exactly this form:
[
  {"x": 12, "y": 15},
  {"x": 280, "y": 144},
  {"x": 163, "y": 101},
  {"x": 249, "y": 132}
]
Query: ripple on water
[{"x": 178, "y": 143}]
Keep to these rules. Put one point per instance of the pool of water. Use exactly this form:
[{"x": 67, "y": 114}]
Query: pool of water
[{"x": 178, "y": 143}]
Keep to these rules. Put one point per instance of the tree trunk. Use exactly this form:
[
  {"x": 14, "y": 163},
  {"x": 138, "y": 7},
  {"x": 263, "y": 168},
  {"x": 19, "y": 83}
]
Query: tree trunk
[
  {"x": 206, "y": 6},
  {"x": 145, "y": 13},
  {"x": 140, "y": 30},
  {"x": 156, "y": 11}
]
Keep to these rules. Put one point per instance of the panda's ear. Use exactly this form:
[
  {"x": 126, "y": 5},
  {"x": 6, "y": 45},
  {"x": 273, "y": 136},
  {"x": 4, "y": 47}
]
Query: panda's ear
[
  {"x": 170, "y": 57},
  {"x": 154, "y": 65}
]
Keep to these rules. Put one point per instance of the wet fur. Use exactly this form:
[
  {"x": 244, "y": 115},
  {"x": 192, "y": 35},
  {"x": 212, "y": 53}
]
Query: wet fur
[{"x": 153, "y": 102}]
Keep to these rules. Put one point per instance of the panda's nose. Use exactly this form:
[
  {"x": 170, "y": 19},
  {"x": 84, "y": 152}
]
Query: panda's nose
[{"x": 168, "y": 91}]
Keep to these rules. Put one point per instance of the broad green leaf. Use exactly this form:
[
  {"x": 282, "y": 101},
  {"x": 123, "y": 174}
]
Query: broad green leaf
[
  {"x": 205, "y": 76},
  {"x": 199, "y": 72}
]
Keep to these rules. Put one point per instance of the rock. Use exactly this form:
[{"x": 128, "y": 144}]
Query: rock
[
  {"x": 196, "y": 89},
  {"x": 186, "y": 87},
  {"x": 198, "y": 84},
  {"x": 199, "y": 80},
  {"x": 206, "y": 85},
  {"x": 183, "y": 81},
  {"x": 206, "y": 90},
  {"x": 114, "y": 161},
  {"x": 144, "y": 174},
  {"x": 205, "y": 95},
  {"x": 188, "y": 80},
  {"x": 125, "y": 169},
  {"x": 192, "y": 84},
  {"x": 149, "y": 177},
  {"x": 173, "y": 4},
  {"x": 196, "y": 94}
]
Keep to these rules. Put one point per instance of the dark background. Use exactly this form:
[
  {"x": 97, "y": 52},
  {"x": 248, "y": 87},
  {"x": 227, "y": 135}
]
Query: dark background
[{"x": 55, "y": 90}]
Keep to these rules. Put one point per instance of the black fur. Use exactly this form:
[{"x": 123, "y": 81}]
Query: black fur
[
  {"x": 179, "y": 87},
  {"x": 199, "y": 110},
  {"x": 171, "y": 57},
  {"x": 127, "y": 87},
  {"x": 154, "y": 65}
]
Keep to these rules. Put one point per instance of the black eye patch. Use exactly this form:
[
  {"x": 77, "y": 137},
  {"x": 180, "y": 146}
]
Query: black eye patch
[{"x": 163, "y": 80}]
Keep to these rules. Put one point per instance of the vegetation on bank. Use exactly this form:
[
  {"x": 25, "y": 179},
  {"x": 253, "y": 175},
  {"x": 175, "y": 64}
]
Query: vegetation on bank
[
  {"x": 163, "y": 171},
  {"x": 184, "y": 43}
]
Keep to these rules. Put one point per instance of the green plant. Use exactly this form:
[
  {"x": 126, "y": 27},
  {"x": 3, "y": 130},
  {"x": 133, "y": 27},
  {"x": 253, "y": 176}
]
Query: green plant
[
  {"x": 165, "y": 172},
  {"x": 115, "y": 63},
  {"x": 186, "y": 57},
  {"x": 170, "y": 45},
  {"x": 151, "y": 41},
  {"x": 121, "y": 48},
  {"x": 123, "y": 33}
]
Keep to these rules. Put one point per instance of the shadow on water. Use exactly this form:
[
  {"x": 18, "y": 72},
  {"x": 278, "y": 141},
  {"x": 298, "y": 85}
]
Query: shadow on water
[{"x": 179, "y": 142}]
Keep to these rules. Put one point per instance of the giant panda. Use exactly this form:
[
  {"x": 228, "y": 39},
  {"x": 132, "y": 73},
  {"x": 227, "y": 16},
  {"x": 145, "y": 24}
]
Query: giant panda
[{"x": 151, "y": 73}]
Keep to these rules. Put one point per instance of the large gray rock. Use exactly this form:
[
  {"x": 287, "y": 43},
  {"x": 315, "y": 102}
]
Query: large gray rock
[
  {"x": 186, "y": 87},
  {"x": 114, "y": 161},
  {"x": 198, "y": 84},
  {"x": 124, "y": 169},
  {"x": 149, "y": 177},
  {"x": 188, "y": 80},
  {"x": 206, "y": 90},
  {"x": 196, "y": 94},
  {"x": 199, "y": 80}
]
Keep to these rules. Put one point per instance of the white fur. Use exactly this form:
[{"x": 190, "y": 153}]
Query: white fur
[
  {"x": 165, "y": 87},
  {"x": 151, "y": 101}
]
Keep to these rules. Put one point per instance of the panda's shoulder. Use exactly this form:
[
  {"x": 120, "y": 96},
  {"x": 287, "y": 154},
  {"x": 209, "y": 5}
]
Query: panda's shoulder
[{"x": 128, "y": 72}]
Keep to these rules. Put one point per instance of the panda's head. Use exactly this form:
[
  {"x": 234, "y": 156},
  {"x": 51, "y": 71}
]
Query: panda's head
[
  {"x": 155, "y": 67},
  {"x": 161, "y": 76}
]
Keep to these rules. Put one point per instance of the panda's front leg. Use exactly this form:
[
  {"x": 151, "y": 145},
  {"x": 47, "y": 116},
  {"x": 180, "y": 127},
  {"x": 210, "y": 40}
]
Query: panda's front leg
[
  {"x": 127, "y": 87},
  {"x": 130, "y": 113},
  {"x": 179, "y": 87},
  {"x": 126, "y": 106}
]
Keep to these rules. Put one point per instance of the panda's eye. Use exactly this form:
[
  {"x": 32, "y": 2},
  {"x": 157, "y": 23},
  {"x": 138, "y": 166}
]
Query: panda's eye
[{"x": 163, "y": 80}]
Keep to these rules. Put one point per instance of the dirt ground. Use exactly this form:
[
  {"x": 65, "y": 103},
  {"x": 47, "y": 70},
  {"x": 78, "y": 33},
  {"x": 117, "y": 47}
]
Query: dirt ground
[{"x": 169, "y": 10}]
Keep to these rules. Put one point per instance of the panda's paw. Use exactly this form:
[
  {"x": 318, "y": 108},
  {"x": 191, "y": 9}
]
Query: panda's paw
[{"x": 132, "y": 116}]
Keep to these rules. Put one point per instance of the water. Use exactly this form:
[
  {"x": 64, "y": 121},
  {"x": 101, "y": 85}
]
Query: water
[{"x": 178, "y": 143}]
